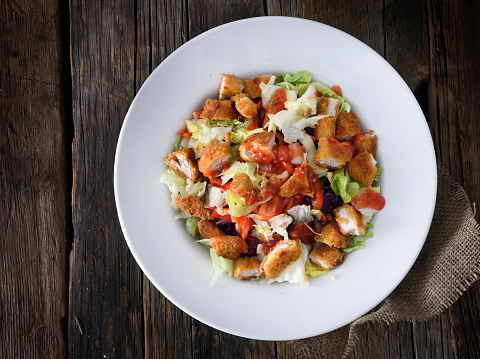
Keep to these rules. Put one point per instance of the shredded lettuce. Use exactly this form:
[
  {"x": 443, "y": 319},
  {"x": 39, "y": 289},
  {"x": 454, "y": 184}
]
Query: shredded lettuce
[
  {"x": 237, "y": 136},
  {"x": 191, "y": 223},
  {"x": 316, "y": 213},
  {"x": 376, "y": 189},
  {"x": 214, "y": 197},
  {"x": 221, "y": 266},
  {"x": 196, "y": 188},
  {"x": 280, "y": 223},
  {"x": 236, "y": 205},
  {"x": 356, "y": 242},
  {"x": 300, "y": 77},
  {"x": 377, "y": 175},
  {"x": 313, "y": 270},
  {"x": 300, "y": 213},
  {"x": 178, "y": 143},
  {"x": 204, "y": 132},
  {"x": 249, "y": 168},
  {"x": 328, "y": 92},
  {"x": 206, "y": 242},
  {"x": 344, "y": 186},
  {"x": 176, "y": 184}
]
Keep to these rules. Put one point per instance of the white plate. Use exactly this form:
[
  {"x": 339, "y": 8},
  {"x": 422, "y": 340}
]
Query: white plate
[{"x": 182, "y": 270}]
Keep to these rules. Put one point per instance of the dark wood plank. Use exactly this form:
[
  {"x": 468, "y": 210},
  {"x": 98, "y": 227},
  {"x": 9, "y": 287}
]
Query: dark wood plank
[
  {"x": 33, "y": 181},
  {"x": 106, "y": 307},
  {"x": 432, "y": 337},
  {"x": 454, "y": 107}
]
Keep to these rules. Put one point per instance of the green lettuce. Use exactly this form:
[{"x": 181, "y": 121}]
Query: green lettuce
[
  {"x": 176, "y": 184},
  {"x": 178, "y": 143},
  {"x": 249, "y": 168},
  {"x": 356, "y": 242},
  {"x": 316, "y": 213},
  {"x": 300, "y": 77},
  {"x": 377, "y": 175},
  {"x": 191, "y": 223},
  {"x": 313, "y": 270},
  {"x": 220, "y": 265},
  {"x": 236, "y": 205},
  {"x": 328, "y": 92},
  {"x": 344, "y": 186}
]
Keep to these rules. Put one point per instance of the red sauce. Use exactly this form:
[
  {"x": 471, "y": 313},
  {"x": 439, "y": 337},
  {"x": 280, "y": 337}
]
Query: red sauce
[
  {"x": 345, "y": 147},
  {"x": 302, "y": 232},
  {"x": 259, "y": 153},
  {"x": 277, "y": 101},
  {"x": 267, "y": 246},
  {"x": 219, "y": 170},
  {"x": 357, "y": 142},
  {"x": 368, "y": 198}
]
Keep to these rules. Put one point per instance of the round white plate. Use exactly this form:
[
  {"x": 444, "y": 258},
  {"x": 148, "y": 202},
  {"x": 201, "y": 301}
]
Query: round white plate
[{"x": 181, "y": 269}]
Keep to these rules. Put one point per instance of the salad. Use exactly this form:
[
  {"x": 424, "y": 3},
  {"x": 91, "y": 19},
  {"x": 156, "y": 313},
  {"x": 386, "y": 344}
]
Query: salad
[{"x": 276, "y": 177}]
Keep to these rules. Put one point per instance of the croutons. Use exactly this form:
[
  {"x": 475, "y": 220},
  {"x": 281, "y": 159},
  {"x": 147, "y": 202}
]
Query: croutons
[
  {"x": 326, "y": 257},
  {"x": 325, "y": 127},
  {"x": 258, "y": 148},
  {"x": 241, "y": 184},
  {"x": 329, "y": 107},
  {"x": 247, "y": 268},
  {"x": 215, "y": 159},
  {"x": 246, "y": 107},
  {"x": 349, "y": 220},
  {"x": 229, "y": 247},
  {"x": 365, "y": 142},
  {"x": 362, "y": 168},
  {"x": 300, "y": 182},
  {"x": 209, "y": 229},
  {"x": 331, "y": 235},
  {"x": 347, "y": 126},
  {"x": 280, "y": 257},
  {"x": 193, "y": 206},
  {"x": 368, "y": 202},
  {"x": 218, "y": 110},
  {"x": 251, "y": 87},
  {"x": 184, "y": 163},
  {"x": 333, "y": 154},
  {"x": 229, "y": 87}
]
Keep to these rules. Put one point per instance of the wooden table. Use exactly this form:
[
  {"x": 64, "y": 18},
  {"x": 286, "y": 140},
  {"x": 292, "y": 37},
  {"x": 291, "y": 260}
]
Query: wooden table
[{"x": 68, "y": 72}]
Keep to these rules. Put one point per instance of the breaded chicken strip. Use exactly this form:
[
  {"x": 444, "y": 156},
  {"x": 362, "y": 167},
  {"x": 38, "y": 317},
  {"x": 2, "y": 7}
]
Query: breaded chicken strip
[
  {"x": 241, "y": 185},
  {"x": 326, "y": 257},
  {"x": 209, "y": 229},
  {"x": 229, "y": 87},
  {"x": 329, "y": 107},
  {"x": 365, "y": 142},
  {"x": 193, "y": 205},
  {"x": 331, "y": 235},
  {"x": 347, "y": 126},
  {"x": 333, "y": 154},
  {"x": 247, "y": 268},
  {"x": 246, "y": 107},
  {"x": 368, "y": 202},
  {"x": 280, "y": 257},
  {"x": 218, "y": 110},
  {"x": 215, "y": 159},
  {"x": 325, "y": 127},
  {"x": 362, "y": 168},
  {"x": 251, "y": 87},
  {"x": 229, "y": 247},
  {"x": 300, "y": 182},
  {"x": 349, "y": 220},
  {"x": 258, "y": 148},
  {"x": 184, "y": 163}
]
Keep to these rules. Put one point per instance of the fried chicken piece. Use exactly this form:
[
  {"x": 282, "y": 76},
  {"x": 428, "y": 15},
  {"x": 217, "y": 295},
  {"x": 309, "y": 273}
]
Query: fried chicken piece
[
  {"x": 229, "y": 247},
  {"x": 300, "y": 182},
  {"x": 241, "y": 184},
  {"x": 347, "y": 126},
  {"x": 209, "y": 229},
  {"x": 258, "y": 148},
  {"x": 326, "y": 257},
  {"x": 229, "y": 87},
  {"x": 365, "y": 142},
  {"x": 184, "y": 163},
  {"x": 349, "y": 220},
  {"x": 333, "y": 154},
  {"x": 246, "y": 107},
  {"x": 331, "y": 235},
  {"x": 329, "y": 107},
  {"x": 280, "y": 257},
  {"x": 247, "y": 268},
  {"x": 218, "y": 110},
  {"x": 325, "y": 127},
  {"x": 215, "y": 159},
  {"x": 251, "y": 87},
  {"x": 368, "y": 202},
  {"x": 362, "y": 168},
  {"x": 193, "y": 206}
]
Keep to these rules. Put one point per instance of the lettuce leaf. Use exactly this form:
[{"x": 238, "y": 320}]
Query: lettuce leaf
[
  {"x": 176, "y": 184},
  {"x": 280, "y": 223},
  {"x": 249, "y": 168},
  {"x": 313, "y": 270},
  {"x": 220, "y": 265},
  {"x": 356, "y": 242},
  {"x": 178, "y": 143},
  {"x": 316, "y": 213},
  {"x": 377, "y": 175},
  {"x": 191, "y": 223},
  {"x": 300, "y": 77},
  {"x": 300, "y": 213},
  {"x": 204, "y": 132},
  {"x": 344, "y": 186},
  {"x": 328, "y": 92}
]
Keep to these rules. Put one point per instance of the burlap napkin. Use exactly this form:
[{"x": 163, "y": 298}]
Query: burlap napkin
[{"x": 447, "y": 265}]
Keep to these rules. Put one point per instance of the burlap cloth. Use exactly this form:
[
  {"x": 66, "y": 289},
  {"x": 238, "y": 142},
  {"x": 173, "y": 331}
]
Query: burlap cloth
[{"x": 447, "y": 265}]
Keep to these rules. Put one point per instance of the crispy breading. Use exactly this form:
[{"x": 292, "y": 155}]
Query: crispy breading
[
  {"x": 326, "y": 257},
  {"x": 193, "y": 205},
  {"x": 241, "y": 184},
  {"x": 209, "y": 229},
  {"x": 365, "y": 142},
  {"x": 230, "y": 86},
  {"x": 362, "y": 168},
  {"x": 300, "y": 182},
  {"x": 184, "y": 163},
  {"x": 258, "y": 148},
  {"x": 333, "y": 154},
  {"x": 328, "y": 106},
  {"x": 215, "y": 159},
  {"x": 280, "y": 257},
  {"x": 325, "y": 127},
  {"x": 349, "y": 220},
  {"x": 347, "y": 126},
  {"x": 251, "y": 87},
  {"x": 247, "y": 268},
  {"x": 229, "y": 247},
  {"x": 246, "y": 107},
  {"x": 331, "y": 235},
  {"x": 218, "y": 110}
]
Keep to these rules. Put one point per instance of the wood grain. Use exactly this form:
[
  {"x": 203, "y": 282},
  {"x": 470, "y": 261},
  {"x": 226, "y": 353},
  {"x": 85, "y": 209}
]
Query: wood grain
[{"x": 34, "y": 210}]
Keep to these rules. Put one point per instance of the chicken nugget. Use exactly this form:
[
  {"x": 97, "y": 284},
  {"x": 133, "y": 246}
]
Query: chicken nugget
[
  {"x": 247, "y": 268},
  {"x": 333, "y": 154},
  {"x": 251, "y": 87},
  {"x": 246, "y": 107},
  {"x": 300, "y": 182},
  {"x": 328, "y": 106},
  {"x": 365, "y": 142},
  {"x": 184, "y": 163},
  {"x": 241, "y": 184},
  {"x": 229, "y": 247},
  {"x": 218, "y": 110},
  {"x": 326, "y": 257},
  {"x": 258, "y": 148},
  {"x": 347, "y": 126},
  {"x": 349, "y": 220},
  {"x": 229, "y": 87},
  {"x": 215, "y": 159},
  {"x": 193, "y": 206},
  {"x": 209, "y": 229},
  {"x": 325, "y": 127},
  {"x": 362, "y": 168},
  {"x": 331, "y": 235},
  {"x": 280, "y": 257}
]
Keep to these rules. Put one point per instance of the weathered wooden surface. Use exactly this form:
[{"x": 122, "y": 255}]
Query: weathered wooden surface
[{"x": 110, "y": 309}]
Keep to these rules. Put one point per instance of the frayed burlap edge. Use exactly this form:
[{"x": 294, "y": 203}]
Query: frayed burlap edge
[{"x": 447, "y": 265}]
